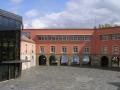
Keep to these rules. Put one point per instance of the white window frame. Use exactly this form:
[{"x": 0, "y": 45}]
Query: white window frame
[
  {"x": 104, "y": 50},
  {"x": 104, "y": 37},
  {"x": 54, "y": 50},
  {"x": 41, "y": 49},
  {"x": 74, "y": 51},
  {"x": 114, "y": 51},
  {"x": 62, "y": 51},
  {"x": 85, "y": 49}
]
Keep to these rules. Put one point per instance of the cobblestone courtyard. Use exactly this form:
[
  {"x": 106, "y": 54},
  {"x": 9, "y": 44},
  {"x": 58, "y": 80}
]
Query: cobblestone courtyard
[{"x": 64, "y": 78}]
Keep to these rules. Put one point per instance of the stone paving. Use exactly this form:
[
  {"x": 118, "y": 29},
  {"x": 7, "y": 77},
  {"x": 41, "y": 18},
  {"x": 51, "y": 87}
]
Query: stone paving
[{"x": 64, "y": 78}]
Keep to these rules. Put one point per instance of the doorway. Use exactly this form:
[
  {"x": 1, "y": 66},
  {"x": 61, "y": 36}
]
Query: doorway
[
  {"x": 53, "y": 60},
  {"x": 104, "y": 61},
  {"x": 64, "y": 60},
  {"x": 42, "y": 60}
]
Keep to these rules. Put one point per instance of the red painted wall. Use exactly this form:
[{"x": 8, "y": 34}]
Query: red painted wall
[{"x": 95, "y": 44}]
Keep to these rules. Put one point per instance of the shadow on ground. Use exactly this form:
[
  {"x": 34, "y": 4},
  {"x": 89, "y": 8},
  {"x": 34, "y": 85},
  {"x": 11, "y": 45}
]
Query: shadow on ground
[
  {"x": 100, "y": 68},
  {"x": 117, "y": 84}
]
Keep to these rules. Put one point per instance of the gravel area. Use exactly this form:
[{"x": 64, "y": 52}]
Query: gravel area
[{"x": 64, "y": 78}]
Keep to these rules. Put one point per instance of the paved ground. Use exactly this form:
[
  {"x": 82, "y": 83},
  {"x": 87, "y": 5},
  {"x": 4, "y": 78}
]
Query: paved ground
[{"x": 64, "y": 78}]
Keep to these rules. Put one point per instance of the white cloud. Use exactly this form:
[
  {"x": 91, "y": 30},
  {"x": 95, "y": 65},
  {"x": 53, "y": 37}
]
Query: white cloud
[
  {"x": 80, "y": 14},
  {"x": 117, "y": 23},
  {"x": 16, "y": 1},
  {"x": 32, "y": 13},
  {"x": 38, "y": 24}
]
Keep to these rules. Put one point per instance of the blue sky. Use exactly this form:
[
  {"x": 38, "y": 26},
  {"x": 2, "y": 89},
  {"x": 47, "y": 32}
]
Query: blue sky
[
  {"x": 64, "y": 13},
  {"x": 22, "y": 6}
]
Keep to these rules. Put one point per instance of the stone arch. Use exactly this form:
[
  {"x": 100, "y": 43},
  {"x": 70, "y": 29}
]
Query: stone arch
[
  {"x": 115, "y": 61},
  {"x": 75, "y": 60},
  {"x": 52, "y": 60},
  {"x": 42, "y": 60},
  {"x": 104, "y": 61},
  {"x": 86, "y": 60},
  {"x": 64, "y": 60}
]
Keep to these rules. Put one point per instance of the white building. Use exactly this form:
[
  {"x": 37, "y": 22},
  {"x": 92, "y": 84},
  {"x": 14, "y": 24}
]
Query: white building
[{"x": 28, "y": 53}]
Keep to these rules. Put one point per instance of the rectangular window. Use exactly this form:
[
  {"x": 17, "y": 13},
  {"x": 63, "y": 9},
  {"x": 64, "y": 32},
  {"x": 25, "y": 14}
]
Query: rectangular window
[
  {"x": 110, "y": 37},
  {"x": 46, "y": 38},
  {"x": 53, "y": 38},
  {"x": 104, "y": 37},
  {"x": 52, "y": 49},
  {"x": 118, "y": 36},
  {"x": 75, "y": 38},
  {"x": 104, "y": 50},
  {"x": 86, "y": 50},
  {"x": 64, "y": 49},
  {"x": 32, "y": 51},
  {"x": 64, "y": 37},
  {"x": 87, "y": 38},
  {"x": 113, "y": 37},
  {"x": 115, "y": 50},
  {"x": 42, "y": 37},
  {"x": 75, "y": 49},
  {"x": 49, "y": 37},
  {"x": 42, "y": 49},
  {"x": 9, "y": 47}
]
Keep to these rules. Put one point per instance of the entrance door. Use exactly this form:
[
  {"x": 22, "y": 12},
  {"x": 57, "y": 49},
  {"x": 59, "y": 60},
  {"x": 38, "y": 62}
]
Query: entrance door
[
  {"x": 12, "y": 71},
  {"x": 17, "y": 69},
  {"x": 104, "y": 61},
  {"x": 86, "y": 60},
  {"x": 75, "y": 60},
  {"x": 115, "y": 62},
  {"x": 53, "y": 60},
  {"x": 64, "y": 60},
  {"x": 42, "y": 60}
]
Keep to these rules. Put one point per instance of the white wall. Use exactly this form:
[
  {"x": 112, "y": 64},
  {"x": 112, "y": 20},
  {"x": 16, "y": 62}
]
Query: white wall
[{"x": 26, "y": 51}]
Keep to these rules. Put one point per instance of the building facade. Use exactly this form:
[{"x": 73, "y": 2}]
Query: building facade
[
  {"x": 10, "y": 30},
  {"x": 95, "y": 47},
  {"x": 27, "y": 52}
]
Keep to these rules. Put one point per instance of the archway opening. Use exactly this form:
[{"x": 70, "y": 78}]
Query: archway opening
[
  {"x": 53, "y": 60},
  {"x": 42, "y": 60},
  {"x": 86, "y": 60},
  {"x": 75, "y": 60},
  {"x": 115, "y": 61},
  {"x": 64, "y": 60},
  {"x": 104, "y": 61}
]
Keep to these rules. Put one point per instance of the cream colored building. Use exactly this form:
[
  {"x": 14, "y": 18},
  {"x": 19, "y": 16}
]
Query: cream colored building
[{"x": 28, "y": 53}]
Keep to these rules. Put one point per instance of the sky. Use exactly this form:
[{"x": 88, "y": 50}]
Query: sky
[{"x": 64, "y": 13}]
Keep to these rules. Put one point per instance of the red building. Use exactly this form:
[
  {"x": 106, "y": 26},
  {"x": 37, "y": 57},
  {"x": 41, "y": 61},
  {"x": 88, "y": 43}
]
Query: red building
[{"x": 96, "y": 47}]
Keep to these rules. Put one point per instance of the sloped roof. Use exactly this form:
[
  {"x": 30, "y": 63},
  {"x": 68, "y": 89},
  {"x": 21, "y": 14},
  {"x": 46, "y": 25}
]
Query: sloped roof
[
  {"x": 10, "y": 15},
  {"x": 61, "y": 31},
  {"x": 24, "y": 38}
]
